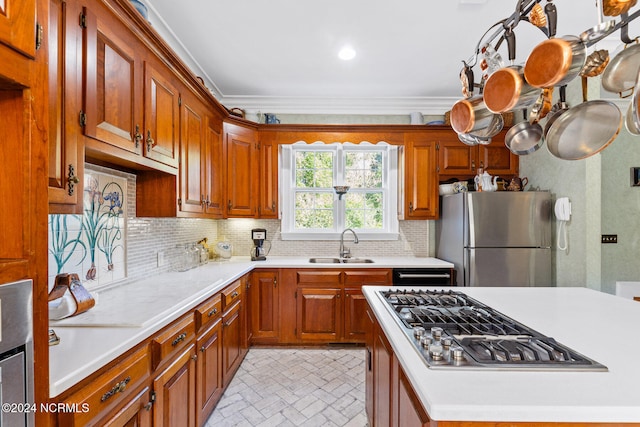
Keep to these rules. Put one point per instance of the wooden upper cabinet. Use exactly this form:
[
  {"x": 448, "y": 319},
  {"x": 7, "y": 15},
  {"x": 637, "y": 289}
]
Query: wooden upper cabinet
[
  {"x": 161, "y": 115},
  {"x": 268, "y": 182},
  {"x": 215, "y": 167},
  {"x": 242, "y": 171},
  {"x": 18, "y": 25},
  {"x": 193, "y": 153},
  {"x": 421, "y": 184},
  {"x": 66, "y": 154},
  {"x": 456, "y": 159},
  {"x": 112, "y": 82}
]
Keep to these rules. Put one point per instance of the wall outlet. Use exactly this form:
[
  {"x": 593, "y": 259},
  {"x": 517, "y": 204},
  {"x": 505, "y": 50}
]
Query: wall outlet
[{"x": 609, "y": 238}]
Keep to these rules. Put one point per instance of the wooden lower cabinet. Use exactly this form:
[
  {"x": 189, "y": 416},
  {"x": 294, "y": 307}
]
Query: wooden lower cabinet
[
  {"x": 136, "y": 413},
  {"x": 319, "y": 314},
  {"x": 175, "y": 392},
  {"x": 209, "y": 387},
  {"x": 390, "y": 399},
  {"x": 264, "y": 307},
  {"x": 231, "y": 342}
]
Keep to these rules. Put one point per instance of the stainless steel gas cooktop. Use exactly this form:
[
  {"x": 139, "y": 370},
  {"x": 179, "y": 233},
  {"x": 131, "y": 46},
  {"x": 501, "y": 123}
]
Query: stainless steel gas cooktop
[{"x": 452, "y": 330}]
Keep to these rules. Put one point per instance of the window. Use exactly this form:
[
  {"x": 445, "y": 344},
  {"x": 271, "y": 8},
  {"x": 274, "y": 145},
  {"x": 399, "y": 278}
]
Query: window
[{"x": 311, "y": 209}]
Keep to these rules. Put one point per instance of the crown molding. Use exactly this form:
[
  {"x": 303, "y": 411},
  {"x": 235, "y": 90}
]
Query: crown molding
[{"x": 316, "y": 105}]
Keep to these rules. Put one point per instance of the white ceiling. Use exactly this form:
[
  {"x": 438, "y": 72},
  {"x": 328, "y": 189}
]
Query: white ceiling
[{"x": 281, "y": 55}]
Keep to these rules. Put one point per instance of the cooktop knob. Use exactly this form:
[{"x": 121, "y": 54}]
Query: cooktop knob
[
  {"x": 446, "y": 342},
  {"x": 418, "y": 332},
  {"x": 457, "y": 353},
  {"x": 435, "y": 351},
  {"x": 426, "y": 341},
  {"x": 436, "y": 333}
]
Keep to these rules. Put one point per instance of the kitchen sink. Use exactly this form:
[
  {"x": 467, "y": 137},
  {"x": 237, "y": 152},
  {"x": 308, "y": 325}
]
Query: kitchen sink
[
  {"x": 324, "y": 260},
  {"x": 340, "y": 261},
  {"x": 357, "y": 261}
]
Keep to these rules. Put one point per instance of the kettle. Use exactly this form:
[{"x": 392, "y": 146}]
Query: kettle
[{"x": 485, "y": 183}]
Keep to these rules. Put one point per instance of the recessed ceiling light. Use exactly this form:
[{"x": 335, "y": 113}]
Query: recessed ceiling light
[{"x": 346, "y": 53}]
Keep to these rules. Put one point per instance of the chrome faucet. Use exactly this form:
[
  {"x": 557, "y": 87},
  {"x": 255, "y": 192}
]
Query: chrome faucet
[{"x": 346, "y": 252}]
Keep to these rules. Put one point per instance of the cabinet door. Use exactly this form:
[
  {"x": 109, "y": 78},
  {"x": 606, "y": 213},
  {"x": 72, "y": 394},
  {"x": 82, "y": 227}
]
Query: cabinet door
[
  {"x": 208, "y": 372},
  {"x": 242, "y": 171},
  {"x": 214, "y": 160},
  {"x": 112, "y": 82},
  {"x": 175, "y": 392},
  {"x": 368, "y": 379},
  {"x": 410, "y": 411},
  {"x": 161, "y": 112},
  {"x": 192, "y": 159},
  {"x": 319, "y": 314},
  {"x": 66, "y": 154},
  {"x": 268, "y": 207},
  {"x": 497, "y": 159},
  {"x": 456, "y": 158},
  {"x": 355, "y": 318},
  {"x": 136, "y": 413},
  {"x": 382, "y": 380},
  {"x": 264, "y": 306},
  {"x": 18, "y": 25},
  {"x": 421, "y": 184},
  {"x": 231, "y": 343}
]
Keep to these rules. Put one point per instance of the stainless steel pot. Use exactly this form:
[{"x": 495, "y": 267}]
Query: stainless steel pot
[
  {"x": 506, "y": 90},
  {"x": 555, "y": 62},
  {"x": 472, "y": 116}
]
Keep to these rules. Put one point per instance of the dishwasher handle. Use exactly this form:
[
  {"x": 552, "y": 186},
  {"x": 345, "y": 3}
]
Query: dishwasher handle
[{"x": 423, "y": 276}]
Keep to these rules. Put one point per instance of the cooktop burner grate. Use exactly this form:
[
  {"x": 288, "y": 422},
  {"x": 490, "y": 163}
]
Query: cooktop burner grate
[{"x": 452, "y": 330}]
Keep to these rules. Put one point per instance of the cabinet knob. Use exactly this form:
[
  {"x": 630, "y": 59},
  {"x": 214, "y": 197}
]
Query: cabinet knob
[
  {"x": 229, "y": 205},
  {"x": 473, "y": 165},
  {"x": 275, "y": 282}
]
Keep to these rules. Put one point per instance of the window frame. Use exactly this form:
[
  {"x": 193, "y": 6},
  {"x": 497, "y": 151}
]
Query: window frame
[{"x": 390, "y": 230}]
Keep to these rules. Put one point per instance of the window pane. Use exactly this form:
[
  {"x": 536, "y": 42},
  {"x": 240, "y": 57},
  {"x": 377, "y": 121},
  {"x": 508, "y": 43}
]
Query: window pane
[
  {"x": 314, "y": 169},
  {"x": 313, "y": 210},
  {"x": 364, "y": 210},
  {"x": 363, "y": 169}
]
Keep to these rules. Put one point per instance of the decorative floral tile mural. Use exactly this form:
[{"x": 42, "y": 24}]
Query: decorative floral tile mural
[{"x": 92, "y": 245}]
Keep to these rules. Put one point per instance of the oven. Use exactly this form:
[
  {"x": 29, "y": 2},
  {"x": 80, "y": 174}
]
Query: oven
[
  {"x": 16, "y": 354},
  {"x": 423, "y": 276}
]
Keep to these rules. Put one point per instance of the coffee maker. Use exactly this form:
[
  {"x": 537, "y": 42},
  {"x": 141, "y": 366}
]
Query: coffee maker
[{"x": 258, "y": 252}]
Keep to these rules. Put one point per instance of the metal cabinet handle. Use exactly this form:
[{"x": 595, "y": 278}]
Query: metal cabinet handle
[
  {"x": 150, "y": 141},
  {"x": 118, "y": 388},
  {"x": 208, "y": 201},
  {"x": 72, "y": 180},
  {"x": 138, "y": 136},
  {"x": 410, "y": 206},
  {"x": 229, "y": 205},
  {"x": 473, "y": 165},
  {"x": 212, "y": 312},
  {"x": 275, "y": 282},
  {"x": 235, "y": 294},
  {"x": 179, "y": 339}
]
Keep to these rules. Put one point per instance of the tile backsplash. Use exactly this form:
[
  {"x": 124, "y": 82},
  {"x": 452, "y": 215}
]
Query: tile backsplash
[{"x": 135, "y": 242}]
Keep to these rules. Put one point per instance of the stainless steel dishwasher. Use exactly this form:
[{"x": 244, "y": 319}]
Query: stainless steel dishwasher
[
  {"x": 423, "y": 276},
  {"x": 16, "y": 354}
]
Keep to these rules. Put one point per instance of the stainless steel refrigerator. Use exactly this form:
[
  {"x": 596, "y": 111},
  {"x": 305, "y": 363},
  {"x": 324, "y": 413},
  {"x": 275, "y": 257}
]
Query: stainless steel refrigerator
[{"x": 498, "y": 238}]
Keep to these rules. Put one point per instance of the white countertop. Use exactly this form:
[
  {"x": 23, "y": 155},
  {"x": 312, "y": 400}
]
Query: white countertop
[
  {"x": 126, "y": 315},
  {"x": 603, "y": 327}
]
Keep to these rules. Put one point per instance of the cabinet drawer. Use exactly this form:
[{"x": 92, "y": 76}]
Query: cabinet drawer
[
  {"x": 110, "y": 388},
  {"x": 324, "y": 277},
  {"x": 172, "y": 339},
  {"x": 208, "y": 311},
  {"x": 231, "y": 294},
  {"x": 368, "y": 277}
]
